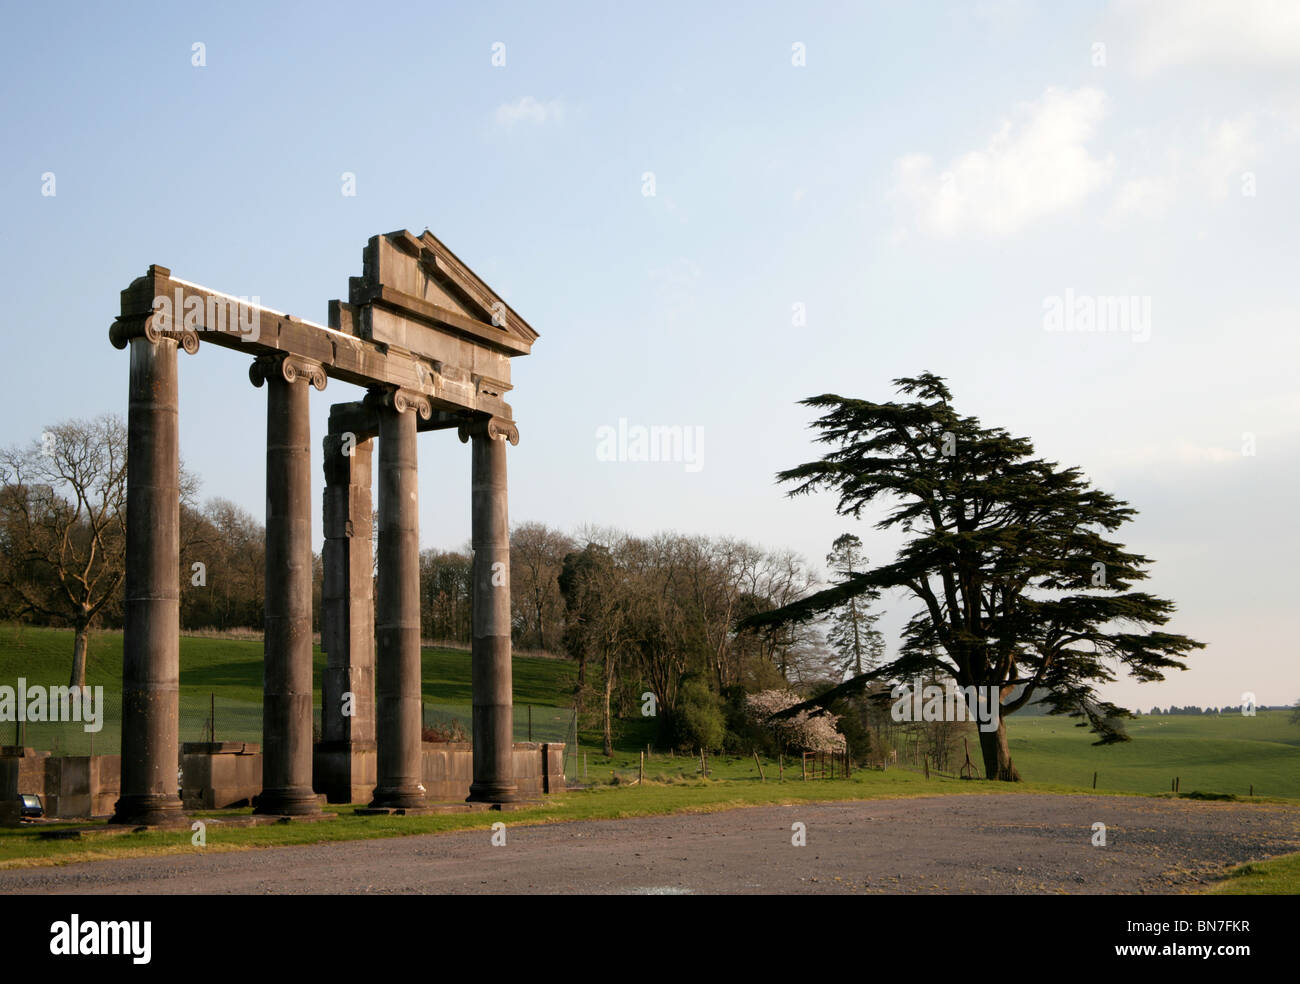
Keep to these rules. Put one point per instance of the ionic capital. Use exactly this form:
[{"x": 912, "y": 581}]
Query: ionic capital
[
  {"x": 288, "y": 367},
  {"x": 121, "y": 331},
  {"x": 493, "y": 428},
  {"x": 401, "y": 400}
]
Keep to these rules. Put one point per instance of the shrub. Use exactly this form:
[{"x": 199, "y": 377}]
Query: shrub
[
  {"x": 744, "y": 734},
  {"x": 698, "y": 721}
]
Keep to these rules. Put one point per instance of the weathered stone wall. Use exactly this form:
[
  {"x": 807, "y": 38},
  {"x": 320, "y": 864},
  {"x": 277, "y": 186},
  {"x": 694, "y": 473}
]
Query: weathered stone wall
[
  {"x": 449, "y": 769},
  {"x": 229, "y": 774},
  {"x": 82, "y": 785},
  {"x": 22, "y": 770}
]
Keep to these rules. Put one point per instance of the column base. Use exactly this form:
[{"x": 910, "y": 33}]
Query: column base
[
  {"x": 492, "y": 792},
  {"x": 345, "y": 771},
  {"x": 286, "y": 802},
  {"x": 397, "y": 798},
  {"x": 150, "y": 811}
]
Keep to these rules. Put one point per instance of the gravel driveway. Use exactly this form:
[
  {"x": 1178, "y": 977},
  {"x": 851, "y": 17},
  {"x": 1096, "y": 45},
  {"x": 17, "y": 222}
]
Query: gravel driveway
[{"x": 1000, "y": 843}]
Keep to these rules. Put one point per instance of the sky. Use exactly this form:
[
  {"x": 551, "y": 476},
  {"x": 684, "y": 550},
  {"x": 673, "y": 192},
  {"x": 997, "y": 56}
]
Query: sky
[{"x": 710, "y": 212}]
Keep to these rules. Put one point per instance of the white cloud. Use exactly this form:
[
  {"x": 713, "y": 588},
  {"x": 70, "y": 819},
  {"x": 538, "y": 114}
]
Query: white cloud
[
  {"x": 1231, "y": 148},
  {"x": 1036, "y": 164},
  {"x": 1200, "y": 454},
  {"x": 1143, "y": 197},
  {"x": 1239, "y": 34},
  {"x": 1184, "y": 456},
  {"x": 1205, "y": 164},
  {"x": 529, "y": 110}
]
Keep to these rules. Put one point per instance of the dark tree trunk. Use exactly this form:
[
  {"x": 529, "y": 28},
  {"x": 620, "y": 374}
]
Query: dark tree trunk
[{"x": 997, "y": 757}]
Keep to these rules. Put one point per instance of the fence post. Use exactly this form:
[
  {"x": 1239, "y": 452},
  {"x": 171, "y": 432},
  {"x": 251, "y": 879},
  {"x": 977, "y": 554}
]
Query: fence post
[
  {"x": 762, "y": 777},
  {"x": 641, "y": 775},
  {"x": 574, "y": 747},
  {"x": 1094, "y": 780}
]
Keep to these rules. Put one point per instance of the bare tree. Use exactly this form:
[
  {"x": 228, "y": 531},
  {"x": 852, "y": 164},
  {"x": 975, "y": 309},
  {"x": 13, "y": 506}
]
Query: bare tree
[
  {"x": 536, "y": 559},
  {"x": 234, "y": 552},
  {"x": 63, "y": 524},
  {"x": 602, "y": 613}
]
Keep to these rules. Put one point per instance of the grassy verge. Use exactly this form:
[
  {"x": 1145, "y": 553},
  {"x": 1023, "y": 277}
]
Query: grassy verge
[{"x": 1276, "y": 876}]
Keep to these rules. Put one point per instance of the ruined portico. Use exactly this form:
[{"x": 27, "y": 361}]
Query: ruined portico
[{"x": 431, "y": 344}]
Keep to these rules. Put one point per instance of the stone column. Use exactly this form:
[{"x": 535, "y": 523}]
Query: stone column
[
  {"x": 345, "y": 757},
  {"x": 151, "y": 637},
  {"x": 494, "y": 780},
  {"x": 397, "y": 623},
  {"x": 287, "y": 674}
]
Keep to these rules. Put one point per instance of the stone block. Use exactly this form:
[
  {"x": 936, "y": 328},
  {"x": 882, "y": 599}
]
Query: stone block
[
  {"x": 345, "y": 771},
  {"x": 81, "y": 785},
  {"x": 221, "y": 775}
]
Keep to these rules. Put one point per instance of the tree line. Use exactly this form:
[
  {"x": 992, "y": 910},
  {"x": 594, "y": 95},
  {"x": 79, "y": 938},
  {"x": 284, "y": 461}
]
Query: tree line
[{"x": 635, "y": 614}]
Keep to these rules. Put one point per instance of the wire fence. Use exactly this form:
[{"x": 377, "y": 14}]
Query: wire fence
[{"x": 213, "y": 717}]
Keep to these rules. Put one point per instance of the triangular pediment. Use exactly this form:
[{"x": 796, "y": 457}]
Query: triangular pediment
[{"x": 419, "y": 278}]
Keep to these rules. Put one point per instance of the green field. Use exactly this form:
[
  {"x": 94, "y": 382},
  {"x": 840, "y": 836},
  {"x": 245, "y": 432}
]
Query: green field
[
  {"x": 227, "y": 673},
  {"x": 1207, "y": 753},
  {"x": 1210, "y": 754}
]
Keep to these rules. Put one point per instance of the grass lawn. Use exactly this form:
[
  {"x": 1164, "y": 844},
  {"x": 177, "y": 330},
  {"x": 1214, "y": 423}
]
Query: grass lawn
[
  {"x": 1277, "y": 876},
  {"x": 229, "y": 673}
]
